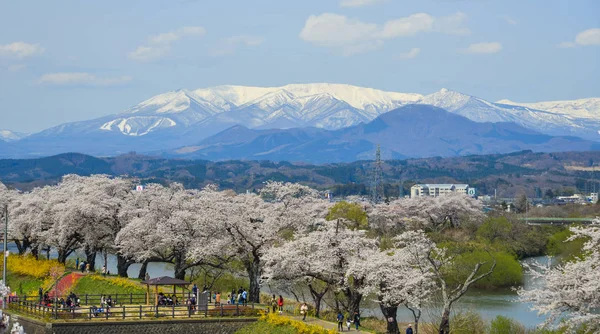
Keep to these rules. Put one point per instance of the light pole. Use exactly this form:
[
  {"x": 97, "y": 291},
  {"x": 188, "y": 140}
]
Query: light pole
[{"x": 5, "y": 238}]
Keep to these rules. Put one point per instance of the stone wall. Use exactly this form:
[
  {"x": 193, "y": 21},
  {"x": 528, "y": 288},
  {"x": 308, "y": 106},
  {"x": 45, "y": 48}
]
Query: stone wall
[{"x": 213, "y": 326}]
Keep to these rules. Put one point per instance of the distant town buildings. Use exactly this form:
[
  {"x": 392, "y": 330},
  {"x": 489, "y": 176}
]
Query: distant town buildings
[{"x": 435, "y": 190}]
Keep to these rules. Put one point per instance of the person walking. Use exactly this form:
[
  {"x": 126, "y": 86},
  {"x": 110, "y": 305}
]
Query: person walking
[
  {"x": 87, "y": 268},
  {"x": 244, "y": 297},
  {"x": 340, "y": 321},
  {"x": 77, "y": 264},
  {"x": 409, "y": 329},
  {"x": 356, "y": 319},
  {"x": 104, "y": 271},
  {"x": 274, "y": 303},
  {"x": 304, "y": 311},
  {"x": 280, "y": 304}
]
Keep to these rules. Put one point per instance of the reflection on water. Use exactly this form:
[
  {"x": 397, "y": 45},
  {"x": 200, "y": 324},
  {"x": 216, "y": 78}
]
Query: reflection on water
[{"x": 488, "y": 303}]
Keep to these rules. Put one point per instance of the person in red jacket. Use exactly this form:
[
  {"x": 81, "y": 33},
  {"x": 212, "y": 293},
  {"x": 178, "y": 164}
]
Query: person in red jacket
[{"x": 280, "y": 304}]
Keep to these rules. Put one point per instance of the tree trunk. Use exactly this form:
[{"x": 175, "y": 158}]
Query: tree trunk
[
  {"x": 179, "y": 271},
  {"x": 317, "y": 297},
  {"x": 122, "y": 265},
  {"x": 353, "y": 298},
  {"x": 254, "y": 268},
  {"x": 445, "y": 323},
  {"x": 90, "y": 258},
  {"x": 389, "y": 314},
  {"x": 62, "y": 255},
  {"x": 143, "y": 270},
  {"x": 35, "y": 252},
  {"x": 23, "y": 245}
]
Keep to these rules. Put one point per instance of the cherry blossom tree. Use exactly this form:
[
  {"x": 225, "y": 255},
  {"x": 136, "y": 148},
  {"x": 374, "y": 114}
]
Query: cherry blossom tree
[
  {"x": 252, "y": 223},
  {"x": 571, "y": 291},
  {"x": 397, "y": 277},
  {"x": 325, "y": 254},
  {"x": 105, "y": 203},
  {"x": 174, "y": 224},
  {"x": 438, "y": 213},
  {"x": 439, "y": 261}
]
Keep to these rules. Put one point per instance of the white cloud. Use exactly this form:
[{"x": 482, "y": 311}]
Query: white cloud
[
  {"x": 452, "y": 24},
  {"x": 335, "y": 30},
  {"x": 484, "y": 48},
  {"x": 588, "y": 37},
  {"x": 353, "y": 36},
  {"x": 229, "y": 45},
  {"x": 508, "y": 20},
  {"x": 584, "y": 38},
  {"x": 358, "y": 3},
  {"x": 16, "y": 67},
  {"x": 410, "y": 54},
  {"x": 565, "y": 45},
  {"x": 81, "y": 79},
  {"x": 159, "y": 45},
  {"x": 148, "y": 53},
  {"x": 164, "y": 38},
  {"x": 408, "y": 26},
  {"x": 20, "y": 49}
]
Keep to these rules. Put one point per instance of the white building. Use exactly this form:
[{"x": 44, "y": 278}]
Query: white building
[{"x": 435, "y": 190}]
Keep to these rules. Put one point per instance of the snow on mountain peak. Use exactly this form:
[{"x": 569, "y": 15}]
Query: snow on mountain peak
[
  {"x": 446, "y": 99},
  {"x": 171, "y": 102},
  {"x": 8, "y": 136},
  {"x": 581, "y": 108}
]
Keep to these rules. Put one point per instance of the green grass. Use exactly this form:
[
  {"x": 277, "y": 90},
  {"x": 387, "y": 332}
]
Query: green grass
[
  {"x": 22, "y": 284},
  {"x": 87, "y": 285},
  {"x": 264, "y": 327}
]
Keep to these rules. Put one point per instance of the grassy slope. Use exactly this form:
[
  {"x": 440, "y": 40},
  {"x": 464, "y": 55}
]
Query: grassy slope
[
  {"x": 264, "y": 327},
  {"x": 87, "y": 285},
  {"x": 22, "y": 284}
]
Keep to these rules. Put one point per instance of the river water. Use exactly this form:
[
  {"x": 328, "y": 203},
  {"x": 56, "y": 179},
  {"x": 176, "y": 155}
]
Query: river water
[{"x": 488, "y": 303}]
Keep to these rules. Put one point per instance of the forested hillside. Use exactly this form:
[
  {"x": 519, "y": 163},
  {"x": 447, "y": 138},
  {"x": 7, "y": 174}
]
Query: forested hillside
[{"x": 509, "y": 174}]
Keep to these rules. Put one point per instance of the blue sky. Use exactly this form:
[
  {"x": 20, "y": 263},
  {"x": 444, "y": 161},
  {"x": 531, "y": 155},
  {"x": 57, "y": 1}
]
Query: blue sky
[{"x": 65, "y": 61}]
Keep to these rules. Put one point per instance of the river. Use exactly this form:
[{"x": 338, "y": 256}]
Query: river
[{"x": 487, "y": 303}]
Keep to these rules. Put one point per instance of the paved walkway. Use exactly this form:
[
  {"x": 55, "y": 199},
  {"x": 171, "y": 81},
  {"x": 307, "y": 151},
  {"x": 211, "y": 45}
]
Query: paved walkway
[{"x": 328, "y": 324}]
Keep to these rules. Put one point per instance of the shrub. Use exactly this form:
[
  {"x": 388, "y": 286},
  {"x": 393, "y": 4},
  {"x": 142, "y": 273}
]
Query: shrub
[
  {"x": 299, "y": 326},
  {"x": 28, "y": 265},
  {"x": 508, "y": 271},
  {"x": 502, "y": 324},
  {"x": 469, "y": 322}
]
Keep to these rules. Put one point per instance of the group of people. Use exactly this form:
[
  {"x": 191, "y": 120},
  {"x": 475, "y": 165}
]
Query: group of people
[
  {"x": 277, "y": 304},
  {"x": 166, "y": 300},
  {"x": 241, "y": 297},
  {"x": 71, "y": 302},
  {"x": 354, "y": 319}
]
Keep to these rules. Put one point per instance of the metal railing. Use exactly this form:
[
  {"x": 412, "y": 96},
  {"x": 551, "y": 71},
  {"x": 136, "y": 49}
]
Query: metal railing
[
  {"x": 117, "y": 299},
  {"x": 131, "y": 311}
]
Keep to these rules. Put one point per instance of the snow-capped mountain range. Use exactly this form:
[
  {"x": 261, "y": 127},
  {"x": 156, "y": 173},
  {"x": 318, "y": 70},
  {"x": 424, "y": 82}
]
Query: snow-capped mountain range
[{"x": 186, "y": 117}]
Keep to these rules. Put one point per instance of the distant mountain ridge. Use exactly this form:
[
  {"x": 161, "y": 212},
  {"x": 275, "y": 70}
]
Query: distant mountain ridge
[
  {"x": 184, "y": 117},
  {"x": 414, "y": 131}
]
